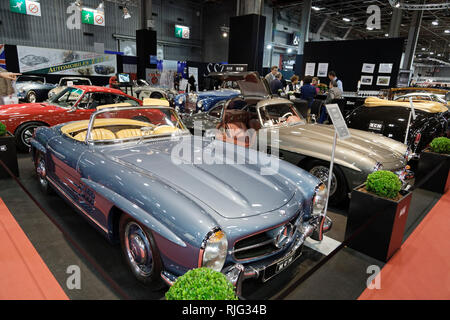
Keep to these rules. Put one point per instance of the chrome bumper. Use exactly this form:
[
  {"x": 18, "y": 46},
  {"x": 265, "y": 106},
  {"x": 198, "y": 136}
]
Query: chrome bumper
[{"x": 237, "y": 273}]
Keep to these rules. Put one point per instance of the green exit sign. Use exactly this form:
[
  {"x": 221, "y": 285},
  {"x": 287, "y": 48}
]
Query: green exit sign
[{"x": 182, "y": 32}]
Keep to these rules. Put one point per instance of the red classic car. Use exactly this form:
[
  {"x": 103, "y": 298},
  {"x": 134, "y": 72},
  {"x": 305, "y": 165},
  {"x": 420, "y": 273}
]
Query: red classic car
[{"x": 73, "y": 103}]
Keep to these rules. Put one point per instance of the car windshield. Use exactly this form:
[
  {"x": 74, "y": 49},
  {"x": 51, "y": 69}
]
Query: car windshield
[
  {"x": 67, "y": 98},
  {"x": 83, "y": 82},
  {"x": 30, "y": 79},
  {"x": 118, "y": 124},
  {"x": 279, "y": 114}
]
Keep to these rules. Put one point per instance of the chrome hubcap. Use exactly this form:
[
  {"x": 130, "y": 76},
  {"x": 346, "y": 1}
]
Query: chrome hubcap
[
  {"x": 322, "y": 173},
  {"x": 32, "y": 98},
  {"x": 27, "y": 135},
  {"x": 138, "y": 249},
  {"x": 42, "y": 173}
]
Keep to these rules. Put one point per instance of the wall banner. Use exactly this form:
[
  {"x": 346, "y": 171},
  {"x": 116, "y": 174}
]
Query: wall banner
[{"x": 57, "y": 61}]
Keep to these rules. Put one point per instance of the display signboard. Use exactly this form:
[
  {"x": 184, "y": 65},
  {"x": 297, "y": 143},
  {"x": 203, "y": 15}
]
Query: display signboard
[
  {"x": 32, "y": 8},
  {"x": 182, "y": 32},
  {"x": 92, "y": 16},
  {"x": 57, "y": 61},
  {"x": 338, "y": 121}
]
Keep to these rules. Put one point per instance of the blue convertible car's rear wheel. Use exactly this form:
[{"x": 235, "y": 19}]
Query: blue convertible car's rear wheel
[{"x": 140, "y": 251}]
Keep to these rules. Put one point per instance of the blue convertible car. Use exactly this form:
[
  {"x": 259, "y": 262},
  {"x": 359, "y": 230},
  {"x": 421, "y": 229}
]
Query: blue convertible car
[
  {"x": 129, "y": 171},
  {"x": 203, "y": 101}
]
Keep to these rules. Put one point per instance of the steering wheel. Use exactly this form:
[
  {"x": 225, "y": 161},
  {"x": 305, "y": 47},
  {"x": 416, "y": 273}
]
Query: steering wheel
[{"x": 287, "y": 114}]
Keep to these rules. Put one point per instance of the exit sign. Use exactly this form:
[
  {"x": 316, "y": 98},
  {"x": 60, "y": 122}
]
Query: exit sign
[{"x": 182, "y": 32}]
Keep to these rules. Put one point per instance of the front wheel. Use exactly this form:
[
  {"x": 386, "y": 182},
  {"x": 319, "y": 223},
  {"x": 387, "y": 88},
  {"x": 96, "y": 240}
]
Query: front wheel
[
  {"x": 156, "y": 95},
  {"x": 338, "y": 189},
  {"x": 24, "y": 133},
  {"x": 140, "y": 251},
  {"x": 41, "y": 172},
  {"x": 31, "y": 97}
]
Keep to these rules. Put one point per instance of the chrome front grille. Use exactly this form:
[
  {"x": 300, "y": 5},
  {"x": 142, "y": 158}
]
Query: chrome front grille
[{"x": 260, "y": 244}]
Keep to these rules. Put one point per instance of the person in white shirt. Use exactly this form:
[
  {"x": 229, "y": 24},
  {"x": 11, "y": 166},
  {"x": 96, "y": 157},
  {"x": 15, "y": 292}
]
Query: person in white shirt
[{"x": 332, "y": 76}]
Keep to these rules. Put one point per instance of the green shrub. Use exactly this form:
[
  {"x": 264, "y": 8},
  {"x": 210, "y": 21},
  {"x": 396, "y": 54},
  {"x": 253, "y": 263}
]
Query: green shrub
[
  {"x": 202, "y": 284},
  {"x": 2, "y": 129},
  {"x": 440, "y": 145},
  {"x": 384, "y": 184}
]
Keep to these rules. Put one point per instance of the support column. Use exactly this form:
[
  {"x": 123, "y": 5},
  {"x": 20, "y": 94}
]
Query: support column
[
  {"x": 396, "y": 20},
  {"x": 245, "y": 7},
  {"x": 413, "y": 36},
  {"x": 304, "y": 25},
  {"x": 146, "y": 14}
]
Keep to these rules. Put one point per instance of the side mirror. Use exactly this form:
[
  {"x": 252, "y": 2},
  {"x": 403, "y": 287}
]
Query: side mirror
[{"x": 72, "y": 110}]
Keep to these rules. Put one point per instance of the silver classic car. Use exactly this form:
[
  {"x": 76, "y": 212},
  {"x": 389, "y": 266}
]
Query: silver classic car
[
  {"x": 129, "y": 171},
  {"x": 243, "y": 120},
  {"x": 142, "y": 89}
]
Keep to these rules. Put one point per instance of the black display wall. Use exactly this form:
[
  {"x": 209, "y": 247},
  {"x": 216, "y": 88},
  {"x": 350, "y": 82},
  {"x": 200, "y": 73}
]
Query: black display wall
[
  {"x": 246, "y": 41},
  {"x": 146, "y": 47},
  {"x": 347, "y": 57}
]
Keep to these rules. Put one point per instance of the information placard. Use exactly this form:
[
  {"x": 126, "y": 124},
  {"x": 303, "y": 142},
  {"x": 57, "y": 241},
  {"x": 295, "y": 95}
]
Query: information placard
[{"x": 338, "y": 121}]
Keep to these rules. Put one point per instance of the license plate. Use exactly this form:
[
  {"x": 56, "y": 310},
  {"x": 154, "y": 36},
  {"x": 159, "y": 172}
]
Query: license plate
[
  {"x": 284, "y": 264},
  {"x": 376, "y": 125}
]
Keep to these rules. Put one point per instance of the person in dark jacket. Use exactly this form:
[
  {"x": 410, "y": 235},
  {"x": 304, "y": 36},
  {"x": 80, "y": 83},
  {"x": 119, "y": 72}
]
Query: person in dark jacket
[
  {"x": 308, "y": 91},
  {"x": 276, "y": 85}
]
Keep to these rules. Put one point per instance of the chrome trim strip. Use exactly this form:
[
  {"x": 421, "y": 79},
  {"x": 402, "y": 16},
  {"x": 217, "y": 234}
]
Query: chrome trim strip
[
  {"x": 257, "y": 245},
  {"x": 76, "y": 205}
]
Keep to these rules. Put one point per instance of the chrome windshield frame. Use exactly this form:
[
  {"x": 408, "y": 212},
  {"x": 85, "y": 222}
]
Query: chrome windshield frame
[{"x": 122, "y": 108}]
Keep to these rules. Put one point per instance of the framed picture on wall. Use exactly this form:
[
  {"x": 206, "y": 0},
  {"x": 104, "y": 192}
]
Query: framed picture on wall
[
  {"x": 366, "y": 80},
  {"x": 383, "y": 81},
  {"x": 322, "y": 70},
  {"x": 368, "y": 68},
  {"x": 385, "y": 68},
  {"x": 310, "y": 68}
]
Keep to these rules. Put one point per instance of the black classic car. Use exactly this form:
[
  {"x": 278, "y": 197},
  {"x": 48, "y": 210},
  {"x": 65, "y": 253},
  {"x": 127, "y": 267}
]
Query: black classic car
[
  {"x": 33, "y": 88},
  {"x": 390, "y": 118}
]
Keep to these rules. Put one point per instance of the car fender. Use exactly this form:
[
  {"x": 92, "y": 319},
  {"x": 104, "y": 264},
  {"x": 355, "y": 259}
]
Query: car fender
[{"x": 134, "y": 211}]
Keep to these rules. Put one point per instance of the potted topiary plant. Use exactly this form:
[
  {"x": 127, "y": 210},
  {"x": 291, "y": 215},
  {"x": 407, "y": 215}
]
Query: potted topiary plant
[
  {"x": 381, "y": 204},
  {"x": 202, "y": 284},
  {"x": 8, "y": 153},
  {"x": 434, "y": 165}
]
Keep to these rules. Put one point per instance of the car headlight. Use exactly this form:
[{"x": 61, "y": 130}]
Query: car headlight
[
  {"x": 320, "y": 199},
  {"x": 378, "y": 166},
  {"x": 180, "y": 100},
  {"x": 200, "y": 104},
  {"x": 193, "y": 97},
  {"x": 215, "y": 251}
]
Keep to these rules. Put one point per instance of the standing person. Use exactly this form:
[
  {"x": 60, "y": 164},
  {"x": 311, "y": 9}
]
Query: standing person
[
  {"x": 6, "y": 88},
  {"x": 191, "y": 84},
  {"x": 271, "y": 75},
  {"x": 308, "y": 92},
  {"x": 176, "y": 81},
  {"x": 332, "y": 76},
  {"x": 276, "y": 86}
]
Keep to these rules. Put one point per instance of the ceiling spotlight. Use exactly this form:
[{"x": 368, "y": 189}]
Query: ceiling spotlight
[
  {"x": 395, "y": 3},
  {"x": 269, "y": 46},
  {"x": 126, "y": 13},
  {"x": 439, "y": 55},
  {"x": 346, "y": 19},
  {"x": 289, "y": 50},
  {"x": 386, "y": 34},
  {"x": 79, "y": 4},
  {"x": 431, "y": 53},
  {"x": 435, "y": 23},
  {"x": 369, "y": 28},
  {"x": 225, "y": 34},
  {"x": 447, "y": 31},
  {"x": 316, "y": 8},
  {"x": 423, "y": 49}
]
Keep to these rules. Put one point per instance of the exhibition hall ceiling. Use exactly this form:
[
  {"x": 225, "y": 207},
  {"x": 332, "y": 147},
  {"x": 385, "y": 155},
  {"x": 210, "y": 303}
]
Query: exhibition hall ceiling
[{"x": 347, "y": 19}]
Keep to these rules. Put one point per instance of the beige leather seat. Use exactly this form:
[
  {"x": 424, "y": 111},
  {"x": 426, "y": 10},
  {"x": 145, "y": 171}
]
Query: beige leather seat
[
  {"x": 96, "y": 134},
  {"x": 129, "y": 133}
]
